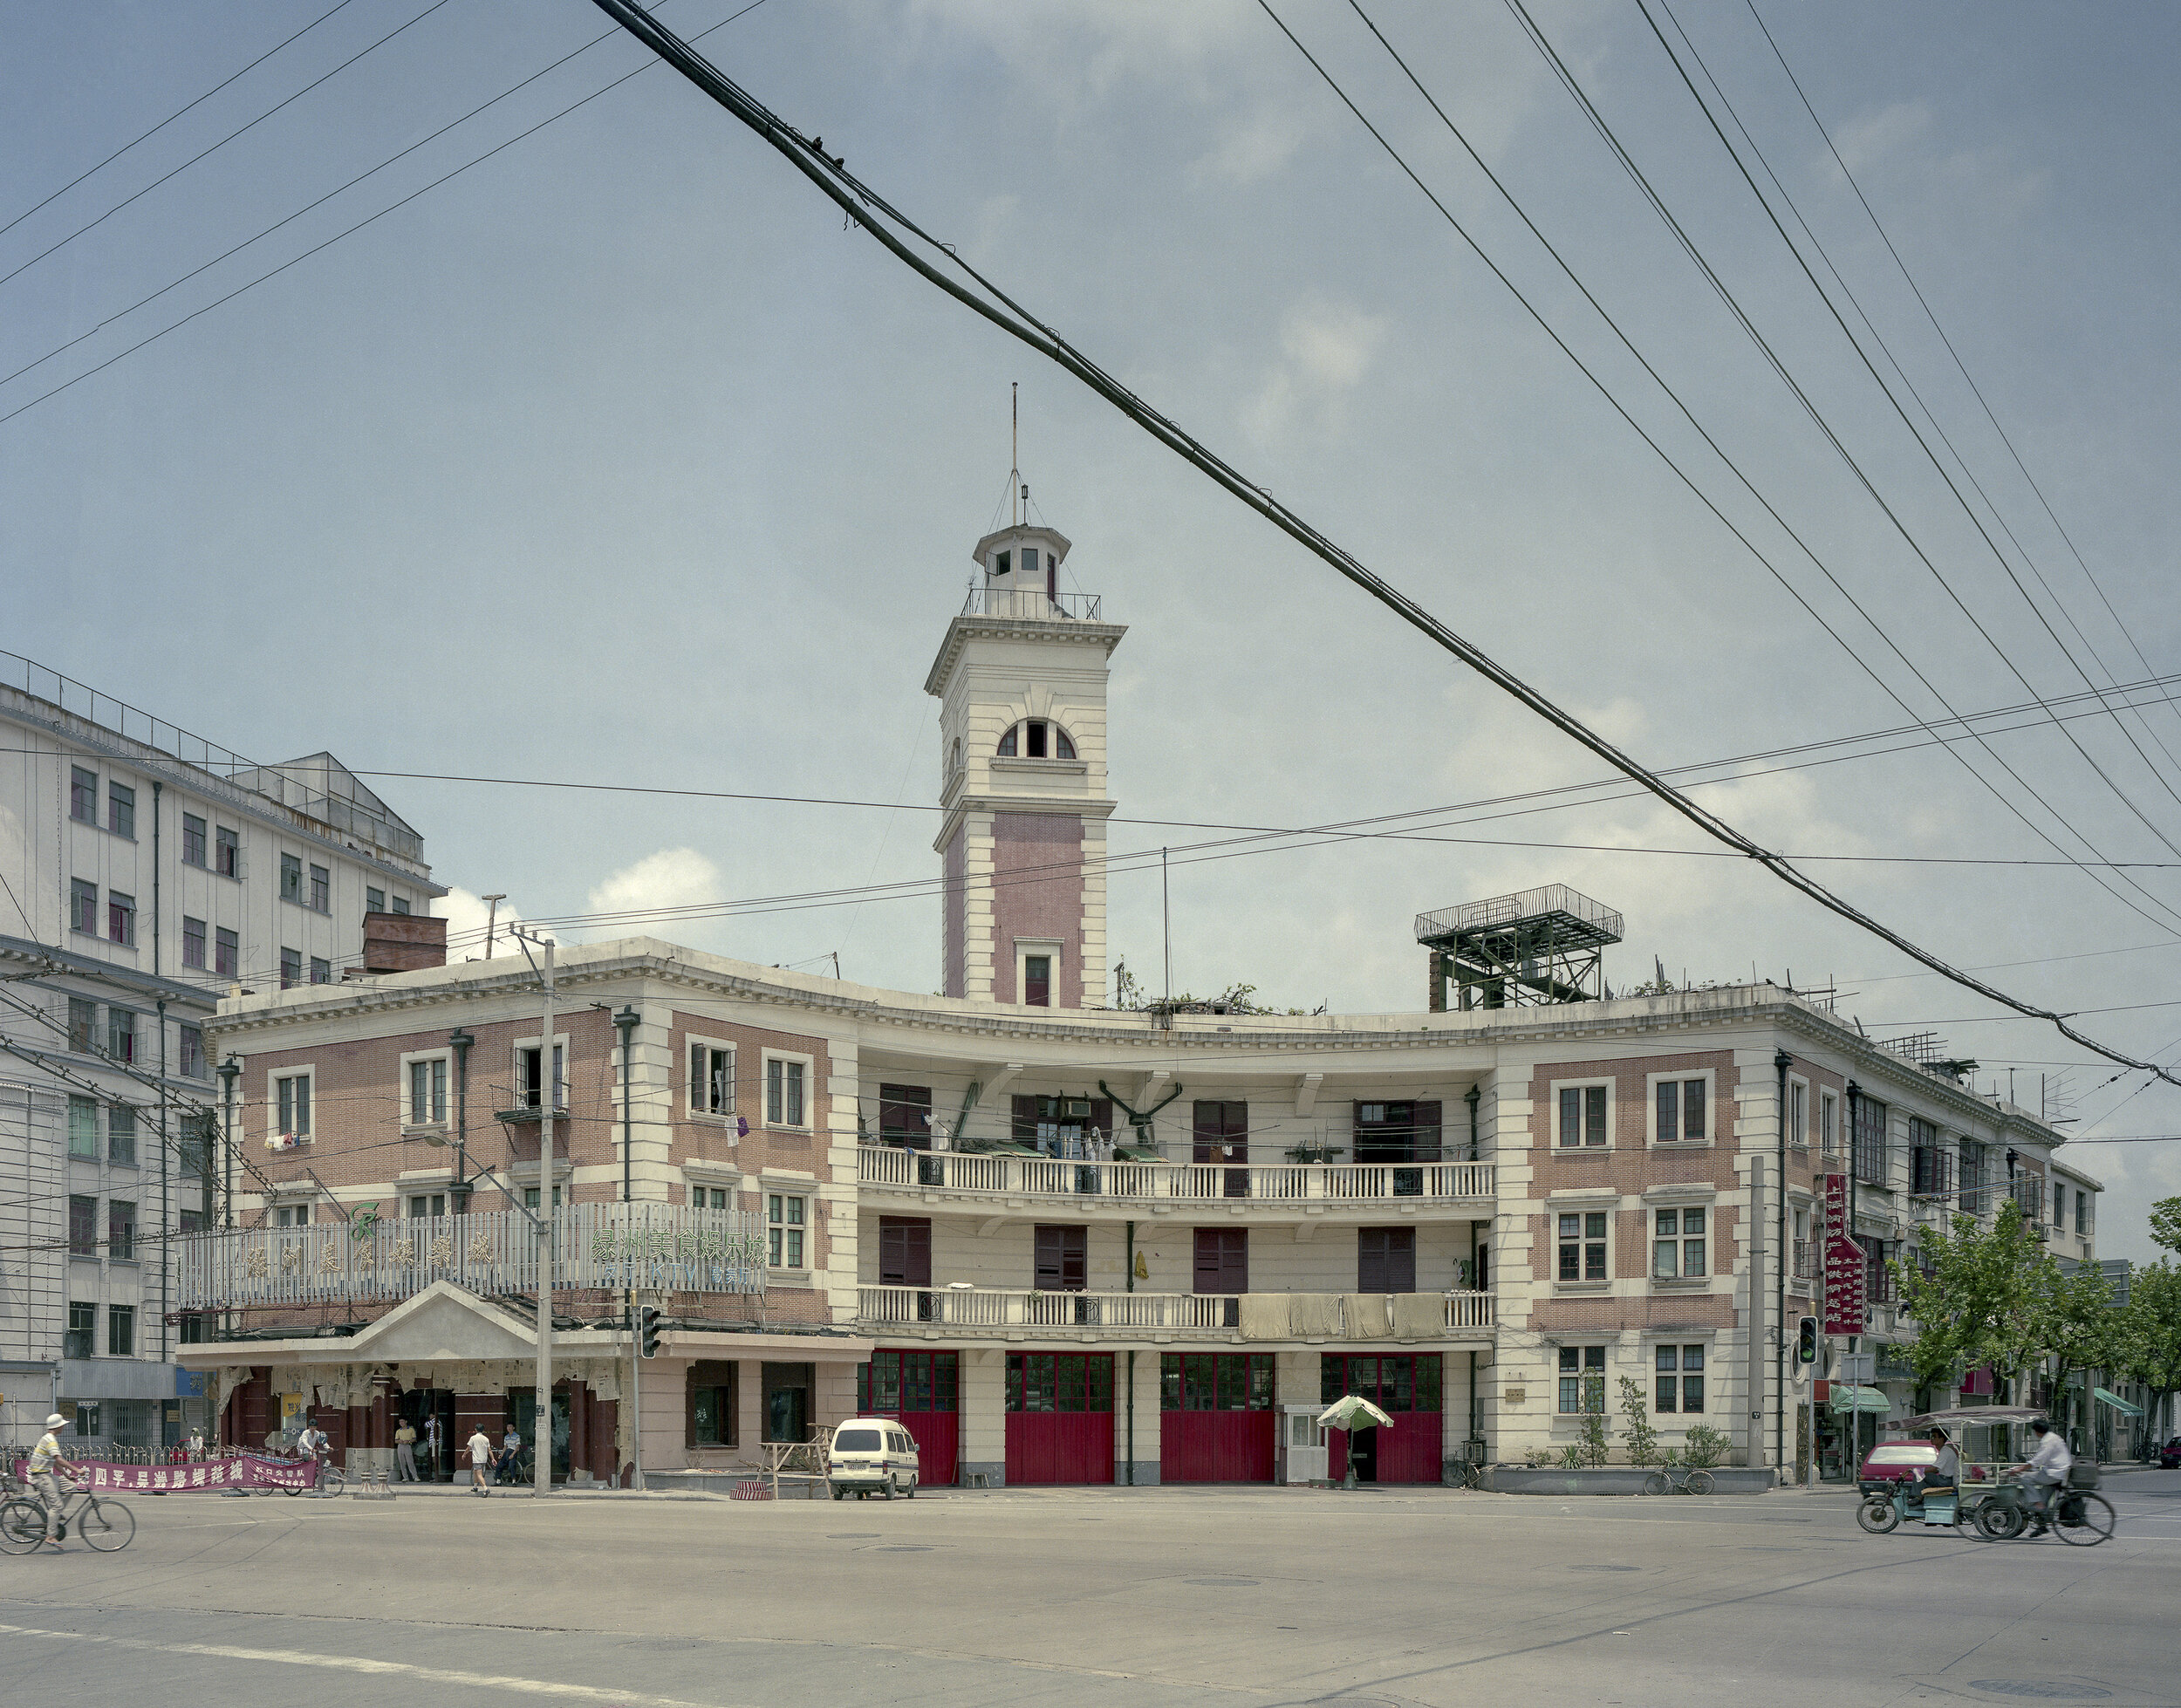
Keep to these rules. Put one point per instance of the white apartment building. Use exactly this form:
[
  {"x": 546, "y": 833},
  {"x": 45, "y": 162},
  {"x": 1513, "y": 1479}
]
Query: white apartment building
[
  {"x": 1064, "y": 1242},
  {"x": 148, "y": 872}
]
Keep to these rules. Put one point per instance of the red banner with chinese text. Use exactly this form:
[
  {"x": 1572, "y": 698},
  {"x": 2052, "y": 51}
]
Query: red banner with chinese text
[
  {"x": 1846, "y": 1310},
  {"x": 105, "y": 1478}
]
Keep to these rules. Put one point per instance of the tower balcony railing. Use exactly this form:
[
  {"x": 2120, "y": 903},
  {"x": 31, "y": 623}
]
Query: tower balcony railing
[
  {"x": 1279, "y": 1185},
  {"x": 1032, "y": 604},
  {"x": 1223, "y": 1316}
]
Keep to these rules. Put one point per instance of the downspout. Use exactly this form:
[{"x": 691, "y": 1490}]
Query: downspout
[
  {"x": 1781, "y": 1062},
  {"x": 1474, "y": 1096},
  {"x": 165, "y": 1205},
  {"x": 458, "y": 1197},
  {"x": 1473, "y": 1396},
  {"x": 1129, "y": 1268}
]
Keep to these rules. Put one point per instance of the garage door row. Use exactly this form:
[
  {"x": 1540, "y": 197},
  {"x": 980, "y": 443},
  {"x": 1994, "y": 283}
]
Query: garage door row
[{"x": 1217, "y": 1420}]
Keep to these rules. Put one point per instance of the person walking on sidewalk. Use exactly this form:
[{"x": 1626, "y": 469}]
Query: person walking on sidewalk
[
  {"x": 480, "y": 1458},
  {"x": 405, "y": 1453},
  {"x": 47, "y": 1466}
]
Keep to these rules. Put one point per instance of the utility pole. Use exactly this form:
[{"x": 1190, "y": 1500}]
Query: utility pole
[
  {"x": 548, "y": 1090},
  {"x": 1753, "y": 1319},
  {"x": 492, "y": 918},
  {"x": 1781, "y": 1062},
  {"x": 625, "y": 1022}
]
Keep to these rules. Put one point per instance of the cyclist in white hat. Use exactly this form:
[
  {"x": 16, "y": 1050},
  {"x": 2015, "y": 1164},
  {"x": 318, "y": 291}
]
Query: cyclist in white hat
[{"x": 44, "y": 1458}]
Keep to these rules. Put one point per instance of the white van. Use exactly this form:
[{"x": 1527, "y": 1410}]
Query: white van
[{"x": 871, "y": 1456}]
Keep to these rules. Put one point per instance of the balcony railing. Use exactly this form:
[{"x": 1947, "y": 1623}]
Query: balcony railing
[
  {"x": 1289, "y": 1184},
  {"x": 1258, "y": 1316},
  {"x": 1032, "y": 604},
  {"x": 670, "y": 1246}
]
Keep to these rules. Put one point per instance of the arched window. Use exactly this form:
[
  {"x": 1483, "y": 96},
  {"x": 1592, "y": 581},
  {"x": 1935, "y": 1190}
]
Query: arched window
[{"x": 1034, "y": 738}]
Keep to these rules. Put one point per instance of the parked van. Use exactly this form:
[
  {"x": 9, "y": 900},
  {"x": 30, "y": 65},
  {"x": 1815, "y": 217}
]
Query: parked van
[{"x": 871, "y": 1456}]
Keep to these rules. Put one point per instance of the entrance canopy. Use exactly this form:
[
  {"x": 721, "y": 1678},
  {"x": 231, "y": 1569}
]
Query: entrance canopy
[
  {"x": 1962, "y": 1416},
  {"x": 2105, "y": 1397},
  {"x": 1845, "y": 1398}
]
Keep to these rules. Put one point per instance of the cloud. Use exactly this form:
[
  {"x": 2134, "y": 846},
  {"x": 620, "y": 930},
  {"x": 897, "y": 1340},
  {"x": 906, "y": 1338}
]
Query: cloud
[
  {"x": 465, "y": 913},
  {"x": 1876, "y": 137},
  {"x": 1251, "y": 149},
  {"x": 1325, "y": 348},
  {"x": 671, "y": 878}
]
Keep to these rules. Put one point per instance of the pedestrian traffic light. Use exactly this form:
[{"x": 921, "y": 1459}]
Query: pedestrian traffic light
[
  {"x": 647, "y": 1330},
  {"x": 1806, "y": 1341}
]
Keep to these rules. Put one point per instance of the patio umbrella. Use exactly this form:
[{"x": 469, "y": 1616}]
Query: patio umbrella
[{"x": 1353, "y": 1411}]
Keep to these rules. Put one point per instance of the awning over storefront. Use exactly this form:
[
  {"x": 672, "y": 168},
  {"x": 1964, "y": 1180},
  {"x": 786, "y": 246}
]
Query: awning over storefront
[
  {"x": 2106, "y": 1397},
  {"x": 1845, "y": 1398}
]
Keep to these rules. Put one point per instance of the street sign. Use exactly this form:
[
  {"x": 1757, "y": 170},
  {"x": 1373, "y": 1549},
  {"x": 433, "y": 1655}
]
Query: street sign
[{"x": 1846, "y": 1310}]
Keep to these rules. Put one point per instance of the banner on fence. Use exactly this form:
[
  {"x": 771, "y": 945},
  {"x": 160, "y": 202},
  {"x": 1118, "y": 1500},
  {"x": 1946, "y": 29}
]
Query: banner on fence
[{"x": 218, "y": 1474}]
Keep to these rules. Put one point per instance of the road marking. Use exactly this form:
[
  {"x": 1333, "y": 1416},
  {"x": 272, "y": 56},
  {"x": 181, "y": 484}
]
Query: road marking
[{"x": 430, "y": 1675}]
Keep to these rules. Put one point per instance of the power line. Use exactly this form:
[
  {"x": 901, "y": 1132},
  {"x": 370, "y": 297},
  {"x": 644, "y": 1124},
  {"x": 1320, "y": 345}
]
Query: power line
[
  {"x": 221, "y": 143},
  {"x": 1702, "y": 498},
  {"x": 169, "y": 120},
  {"x": 864, "y": 206}
]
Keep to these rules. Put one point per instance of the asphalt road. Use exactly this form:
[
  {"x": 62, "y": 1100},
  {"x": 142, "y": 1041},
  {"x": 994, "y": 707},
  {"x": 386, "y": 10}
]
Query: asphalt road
[{"x": 1145, "y": 1599}]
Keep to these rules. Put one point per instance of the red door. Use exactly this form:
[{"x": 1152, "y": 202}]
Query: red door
[
  {"x": 1215, "y": 1419},
  {"x": 1406, "y": 1387},
  {"x": 923, "y": 1390},
  {"x": 1060, "y": 1417}
]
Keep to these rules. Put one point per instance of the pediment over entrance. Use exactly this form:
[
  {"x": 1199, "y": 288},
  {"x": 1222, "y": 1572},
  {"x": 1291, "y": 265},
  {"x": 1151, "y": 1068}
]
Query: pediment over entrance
[{"x": 443, "y": 1324}]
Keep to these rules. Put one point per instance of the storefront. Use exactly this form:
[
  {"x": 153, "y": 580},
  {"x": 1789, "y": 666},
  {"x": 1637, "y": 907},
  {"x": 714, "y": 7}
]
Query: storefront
[{"x": 1407, "y": 1387}]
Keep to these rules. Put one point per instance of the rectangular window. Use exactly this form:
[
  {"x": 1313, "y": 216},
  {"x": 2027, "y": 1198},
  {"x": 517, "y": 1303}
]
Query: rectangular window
[
  {"x": 120, "y": 1229},
  {"x": 291, "y": 1098},
  {"x": 121, "y": 918},
  {"x": 783, "y": 1230},
  {"x": 1385, "y": 1259},
  {"x": 192, "y": 840},
  {"x": 1399, "y": 1382},
  {"x": 321, "y": 890},
  {"x": 1681, "y": 1111},
  {"x": 1215, "y": 1382},
  {"x": 2059, "y": 1205},
  {"x": 1583, "y": 1378},
  {"x": 1397, "y": 1132},
  {"x": 121, "y": 1134},
  {"x": 427, "y": 1092},
  {"x": 120, "y": 1331},
  {"x": 291, "y": 878},
  {"x": 1829, "y": 1123},
  {"x": 712, "y": 1385},
  {"x": 83, "y": 795},
  {"x": 120, "y": 1034},
  {"x": 2081, "y": 1213},
  {"x": 1037, "y": 980},
  {"x": 1582, "y": 1115},
  {"x": 1062, "y": 1258},
  {"x": 1070, "y": 1382},
  {"x": 905, "y": 1251},
  {"x": 83, "y": 1226},
  {"x": 227, "y": 952},
  {"x": 1583, "y": 1246},
  {"x": 711, "y": 1080},
  {"x": 532, "y": 1090},
  {"x": 1870, "y": 1116},
  {"x": 83, "y": 1025},
  {"x": 192, "y": 942},
  {"x": 894, "y": 1382},
  {"x": 1799, "y": 1114},
  {"x": 193, "y": 1324},
  {"x": 83, "y": 906},
  {"x": 83, "y": 1332},
  {"x": 228, "y": 849},
  {"x": 1877, "y": 1272},
  {"x": 1680, "y": 1378},
  {"x": 83, "y": 1129},
  {"x": 121, "y": 811},
  {"x": 1930, "y": 1161},
  {"x": 291, "y": 968},
  {"x": 298, "y": 1215},
  {"x": 425, "y": 1206},
  {"x": 783, "y": 1093},
  {"x": 711, "y": 1198},
  {"x": 401, "y": 904},
  {"x": 374, "y": 901},
  {"x": 531, "y": 1196},
  {"x": 1678, "y": 1244},
  {"x": 905, "y": 1116},
  {"x": 321, "y": 971},
  {"x": 1222, "y": 1260}
]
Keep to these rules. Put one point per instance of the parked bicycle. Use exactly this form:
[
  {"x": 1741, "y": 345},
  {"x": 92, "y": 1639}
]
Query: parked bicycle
[
  {"x": 1468, "y": 1473},
  {"x": 1672, "y": 1480},
  {"x": 106, "y": 1526}
]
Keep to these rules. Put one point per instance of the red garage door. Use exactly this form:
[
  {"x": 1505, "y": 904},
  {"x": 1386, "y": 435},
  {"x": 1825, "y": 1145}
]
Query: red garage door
[
  {"x": 1406, "y": 1388},
  {"x": 1215, "y": 1417},
  {"x": 923, "y": 1389},
  {"x": 1060, "y": 1417}
]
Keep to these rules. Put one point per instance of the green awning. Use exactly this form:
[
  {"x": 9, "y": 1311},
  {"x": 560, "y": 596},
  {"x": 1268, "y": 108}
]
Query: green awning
[
  {"x": 1845, "y": 1398},
  {"x": 2108, "y": 1397}
]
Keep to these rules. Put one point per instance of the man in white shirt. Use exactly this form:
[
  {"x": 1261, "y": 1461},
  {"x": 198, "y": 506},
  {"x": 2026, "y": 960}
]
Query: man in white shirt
[
  {"x": 46, "y": 1466},
  {"x": 313, "y": 1443},
  {"x": 2048, "y": 1466},
  {"x": 480, "y": 1458}
]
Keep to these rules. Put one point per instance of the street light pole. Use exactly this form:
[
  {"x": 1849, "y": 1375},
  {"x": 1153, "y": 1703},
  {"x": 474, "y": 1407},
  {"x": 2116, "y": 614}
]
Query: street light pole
[
  {"x": 548, "y": 1091},
  {"x": 625, "y": 1022}
]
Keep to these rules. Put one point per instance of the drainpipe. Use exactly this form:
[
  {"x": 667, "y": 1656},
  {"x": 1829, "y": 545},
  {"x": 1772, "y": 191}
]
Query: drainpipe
[
  {"x": 1781, "y": 1062},
  {"x": 1472, "y": 1394},
  {"x": 1753, "y": 1319},
  {"x": 1474, "y": 1097},
  {"x": 165, "y": 1205},
  {"x": 1129, "y": 1271},
  {"x": 458, "y": 1041}
]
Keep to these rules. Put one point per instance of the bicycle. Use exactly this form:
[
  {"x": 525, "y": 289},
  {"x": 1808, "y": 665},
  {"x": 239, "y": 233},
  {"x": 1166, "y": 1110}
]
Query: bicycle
[
  {"x": 1667, "y": 1480},
  {"x": 1468, "y": 1473},
  {"x": 105, "y": 1525},
  {"x": 2074, "y": 1513}
]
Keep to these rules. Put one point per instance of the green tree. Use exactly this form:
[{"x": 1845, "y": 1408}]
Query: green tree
[
  {"x": 2080, "y": 1327},
  {"x": 1591, "y": 1448},
  {"x": 1642, "y": 1439},
  {"x": 2148, "y": 1331},
  {"x": 1982, "y": 1295},
  {"x": 2165, "y": 1224}
]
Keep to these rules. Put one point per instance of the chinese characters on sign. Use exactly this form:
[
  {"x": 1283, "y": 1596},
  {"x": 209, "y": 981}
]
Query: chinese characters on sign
[
  {"x": 1846, "y": 1311},
  {"x": 245, "y": 1472}
]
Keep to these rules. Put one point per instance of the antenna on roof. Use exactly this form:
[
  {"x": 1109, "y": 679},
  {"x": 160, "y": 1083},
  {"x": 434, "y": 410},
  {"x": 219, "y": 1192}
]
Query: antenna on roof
[{"x": 1016, "y": 489}]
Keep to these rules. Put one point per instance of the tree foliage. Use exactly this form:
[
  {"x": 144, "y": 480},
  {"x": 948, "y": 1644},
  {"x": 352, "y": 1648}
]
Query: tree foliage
[
  {"x": 1979, "y": 1297},
  {"x": 2165, "y": 1224},
  {"x": 2148, "y": 1330},
  {"x": 1642, "y": 1439}
]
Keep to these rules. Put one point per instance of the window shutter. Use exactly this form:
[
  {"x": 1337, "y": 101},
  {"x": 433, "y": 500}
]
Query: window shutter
[{"x": 1428, "y": 1147}]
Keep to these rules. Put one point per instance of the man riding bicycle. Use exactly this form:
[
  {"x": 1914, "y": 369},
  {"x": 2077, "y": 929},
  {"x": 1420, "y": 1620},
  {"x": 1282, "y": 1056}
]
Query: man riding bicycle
[
  {"x": 47, "y": 1466},
  {"x": 2046, "y": 1469}
]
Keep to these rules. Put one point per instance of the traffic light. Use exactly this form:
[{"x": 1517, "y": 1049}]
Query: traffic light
[
  {"x": 647, "y": 1330},
  {"x": 1806, "y": 1341}
]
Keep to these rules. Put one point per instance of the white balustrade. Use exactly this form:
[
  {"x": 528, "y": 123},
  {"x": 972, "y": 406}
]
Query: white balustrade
[
  {"x": 1192, "y": 1183},
  {"x": 998, "y": 1307}
]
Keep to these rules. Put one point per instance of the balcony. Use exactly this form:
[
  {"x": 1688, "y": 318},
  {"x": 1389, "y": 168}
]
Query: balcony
[
  {"x": 671, "y": 1246},
  {"x": 1032, "y": 604},
  {"x": 1140, "y": 1187},
  {"x": 1000, "y": 1314}
]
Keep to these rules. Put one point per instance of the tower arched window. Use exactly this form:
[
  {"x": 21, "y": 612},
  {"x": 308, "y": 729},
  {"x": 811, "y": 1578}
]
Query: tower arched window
[{"x": 1037, "y": 738}]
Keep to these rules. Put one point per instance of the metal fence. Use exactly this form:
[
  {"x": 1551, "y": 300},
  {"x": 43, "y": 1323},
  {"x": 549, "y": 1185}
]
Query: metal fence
[{"x": 670, "y": 1247}]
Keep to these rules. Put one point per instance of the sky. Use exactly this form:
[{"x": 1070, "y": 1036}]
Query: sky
[{"x": 615, "y": 459}]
